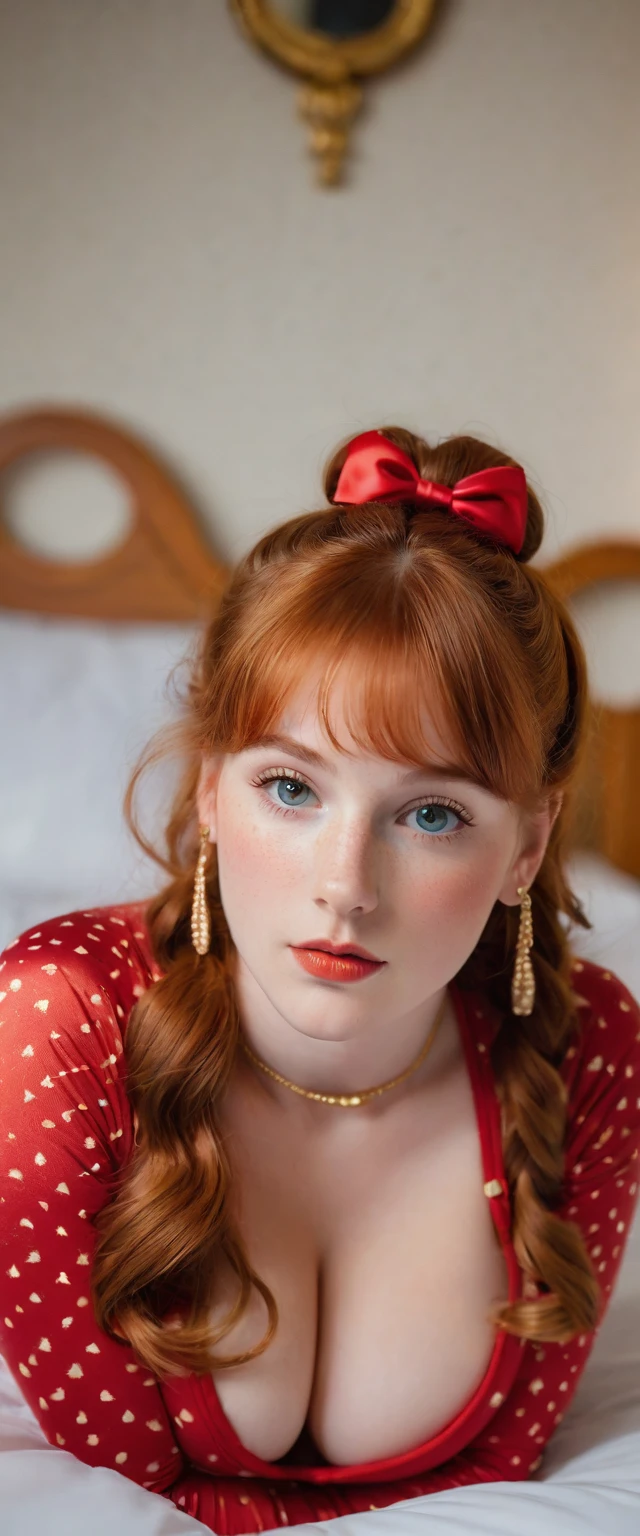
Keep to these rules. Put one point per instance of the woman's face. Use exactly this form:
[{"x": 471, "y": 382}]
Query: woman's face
[{"x": 359, "y": 849}]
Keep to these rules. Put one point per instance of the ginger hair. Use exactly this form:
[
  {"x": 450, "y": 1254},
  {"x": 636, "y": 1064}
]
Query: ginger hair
[{"x": 422, "y": 604}]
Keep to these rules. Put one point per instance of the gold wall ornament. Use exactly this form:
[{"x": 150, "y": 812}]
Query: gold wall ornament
[{"x": 329, "y": 42}]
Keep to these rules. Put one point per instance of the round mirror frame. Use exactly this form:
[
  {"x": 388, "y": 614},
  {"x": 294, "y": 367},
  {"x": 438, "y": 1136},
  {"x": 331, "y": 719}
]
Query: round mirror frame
[{"x": 330, "y": 97}]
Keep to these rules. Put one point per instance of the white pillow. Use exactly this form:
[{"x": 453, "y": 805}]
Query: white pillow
[
  {"x": 78, "y": 700},
  {"x": 611, "y": 901}
]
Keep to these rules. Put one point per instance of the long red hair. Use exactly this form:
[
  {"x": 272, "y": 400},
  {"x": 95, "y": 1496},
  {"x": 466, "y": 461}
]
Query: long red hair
[{"x": 423, "y": 607}]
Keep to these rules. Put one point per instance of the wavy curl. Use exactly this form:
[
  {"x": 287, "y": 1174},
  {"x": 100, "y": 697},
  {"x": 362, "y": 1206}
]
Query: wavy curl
[{"x": 414, "y": 598}]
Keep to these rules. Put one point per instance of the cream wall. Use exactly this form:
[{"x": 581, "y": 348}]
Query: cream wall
[{"x": 166, "y": 257}]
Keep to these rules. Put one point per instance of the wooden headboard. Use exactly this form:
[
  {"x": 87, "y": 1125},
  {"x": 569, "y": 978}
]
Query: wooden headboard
[
  {"x": 608, "y": 819},
  {"x": 164, "y": 570}
]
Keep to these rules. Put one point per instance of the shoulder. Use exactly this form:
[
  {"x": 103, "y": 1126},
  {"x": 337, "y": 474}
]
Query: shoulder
[
  {"x": 106, "y": 945},
  {"x": 604, "y": 1054},
  {"x": 67, "y": 988},
  {"x": 601, "y": 1071},
  {"x": 91, "y": 963},
  {"x": 608, "y": 1012},
  {"x": 601, "y": 988}
]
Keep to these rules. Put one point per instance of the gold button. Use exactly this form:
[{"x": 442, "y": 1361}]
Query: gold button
[{"x": 494, "y": 1187}]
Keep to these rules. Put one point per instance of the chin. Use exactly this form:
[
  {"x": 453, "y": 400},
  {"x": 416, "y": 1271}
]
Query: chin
[{"x": 333, "y": 1033}]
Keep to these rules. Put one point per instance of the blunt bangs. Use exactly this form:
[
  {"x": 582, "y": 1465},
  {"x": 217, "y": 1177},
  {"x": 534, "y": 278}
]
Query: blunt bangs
[{"x": 403, "y": 653}]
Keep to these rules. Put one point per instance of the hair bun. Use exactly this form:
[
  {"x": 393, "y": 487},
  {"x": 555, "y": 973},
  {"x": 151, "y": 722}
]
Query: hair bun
[{"x": 446, "y": 464}]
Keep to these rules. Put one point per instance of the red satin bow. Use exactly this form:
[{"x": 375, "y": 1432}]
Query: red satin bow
[{"x": 494, "y": 500}]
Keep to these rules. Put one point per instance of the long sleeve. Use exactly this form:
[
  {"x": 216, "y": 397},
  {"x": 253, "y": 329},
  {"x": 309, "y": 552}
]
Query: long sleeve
[{"x": 66, "y": 1131}]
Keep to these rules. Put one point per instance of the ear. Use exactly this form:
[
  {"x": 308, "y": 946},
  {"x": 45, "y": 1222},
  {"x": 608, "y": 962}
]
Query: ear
[
  {"x": 536, "y": 831},
  {"x": 207, "y": 793}
]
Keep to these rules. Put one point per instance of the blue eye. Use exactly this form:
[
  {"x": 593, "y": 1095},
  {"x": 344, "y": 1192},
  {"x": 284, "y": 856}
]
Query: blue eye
[
  {"x": 291, "y": 785},
  {"x": 434, "y": 817}
]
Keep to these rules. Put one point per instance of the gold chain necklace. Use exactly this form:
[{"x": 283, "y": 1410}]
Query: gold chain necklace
[{"x": 351, "y": 1100}]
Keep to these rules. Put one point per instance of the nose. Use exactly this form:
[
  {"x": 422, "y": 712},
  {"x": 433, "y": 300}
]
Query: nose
[{"x": 347, "y": 869}]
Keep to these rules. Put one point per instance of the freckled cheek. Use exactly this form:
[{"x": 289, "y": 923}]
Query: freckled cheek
[
  {"x": 254, "y": 864},
  {"x": 453, "y": 901}
]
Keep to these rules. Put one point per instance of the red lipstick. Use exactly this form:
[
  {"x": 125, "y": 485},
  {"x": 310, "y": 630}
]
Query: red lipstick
[
  {"x": 339, "y": 949},
  {"x": 336, "y": 962}
]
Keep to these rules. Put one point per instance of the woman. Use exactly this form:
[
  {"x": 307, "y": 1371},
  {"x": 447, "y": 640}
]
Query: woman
[{"x": 287, "y": 1235}]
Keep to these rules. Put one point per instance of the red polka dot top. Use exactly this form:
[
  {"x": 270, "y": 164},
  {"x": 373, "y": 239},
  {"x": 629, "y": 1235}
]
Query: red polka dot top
[{"x": 66, "y": 991}]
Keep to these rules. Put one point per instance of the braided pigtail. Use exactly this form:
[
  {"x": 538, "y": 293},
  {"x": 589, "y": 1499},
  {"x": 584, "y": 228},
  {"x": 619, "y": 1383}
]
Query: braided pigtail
[
  {"x": 562, "y": 1296},
  {"x": 162, "y": 1239}
]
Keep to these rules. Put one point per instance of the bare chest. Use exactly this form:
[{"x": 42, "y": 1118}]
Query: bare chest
[{"x": 378, "y": 1245}]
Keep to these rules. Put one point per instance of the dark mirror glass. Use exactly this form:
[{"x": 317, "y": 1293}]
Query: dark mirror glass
[{"x": 337, "y": 19}]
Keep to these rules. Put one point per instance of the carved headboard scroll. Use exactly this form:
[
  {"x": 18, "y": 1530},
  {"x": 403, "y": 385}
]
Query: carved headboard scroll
[{"x": 162, "y": 570}]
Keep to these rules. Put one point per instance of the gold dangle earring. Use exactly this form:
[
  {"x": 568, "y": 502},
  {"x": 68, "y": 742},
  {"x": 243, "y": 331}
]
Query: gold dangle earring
[
  {"x": 523, "y": 985},
  {"x": 200, "y": 920}
]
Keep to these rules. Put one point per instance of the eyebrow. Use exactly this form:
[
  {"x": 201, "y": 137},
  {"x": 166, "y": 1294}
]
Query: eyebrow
[{"x": 283, "y": 743}]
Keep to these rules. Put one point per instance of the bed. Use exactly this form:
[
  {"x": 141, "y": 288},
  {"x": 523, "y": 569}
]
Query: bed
[{"x": 86, "y": 650}]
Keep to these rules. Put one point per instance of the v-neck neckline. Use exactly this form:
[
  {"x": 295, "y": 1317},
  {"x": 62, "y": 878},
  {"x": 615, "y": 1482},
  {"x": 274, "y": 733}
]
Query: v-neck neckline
[{"x": 475, "y": 1018}]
